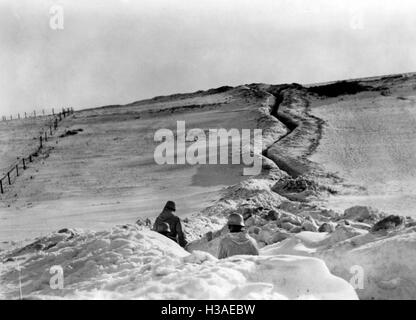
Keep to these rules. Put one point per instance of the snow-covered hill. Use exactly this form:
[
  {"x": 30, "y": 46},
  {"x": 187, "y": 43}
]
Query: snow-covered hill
[{"x": 309, "y": 250}]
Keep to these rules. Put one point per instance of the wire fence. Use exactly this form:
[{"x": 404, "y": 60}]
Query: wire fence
[
  {"x": 22, "y": 164},
  {"x": 33, "y": 114}
]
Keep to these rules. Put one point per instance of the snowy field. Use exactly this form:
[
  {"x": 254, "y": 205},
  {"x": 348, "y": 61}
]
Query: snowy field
[
  {"x": 370, "y": 141},
  {"x": 106, "y": 173},
  {"x": 19, "y": 138}
]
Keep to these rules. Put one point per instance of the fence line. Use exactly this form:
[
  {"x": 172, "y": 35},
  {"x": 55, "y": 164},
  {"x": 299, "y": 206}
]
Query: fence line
[
  {"x": 33, "y": 114},
  {"x": 25, "y": 160}
]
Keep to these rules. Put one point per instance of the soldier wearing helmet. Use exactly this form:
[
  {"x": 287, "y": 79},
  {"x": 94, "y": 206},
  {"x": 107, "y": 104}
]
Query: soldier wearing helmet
[
  {"x": 237, "y": 241},
  {"x": 173, "y": 230}
]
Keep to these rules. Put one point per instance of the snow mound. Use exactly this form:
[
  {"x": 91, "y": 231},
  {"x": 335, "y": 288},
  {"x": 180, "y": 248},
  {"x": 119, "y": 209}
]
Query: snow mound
[
  {"x": 387, "y": 263},
  {"x": 132, "y": 262},
  {"x": 384, "y": 261}
]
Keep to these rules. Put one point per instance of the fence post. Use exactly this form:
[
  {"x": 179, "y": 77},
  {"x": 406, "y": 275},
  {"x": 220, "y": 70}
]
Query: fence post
[
  {"x": 1, "y": 186},
  {"x": 17, "y": 170},
  {"x": 8, "y": 178},
  {"x": 30, "y": 158},
  {"x": 46, "y": 136},
  {"x": 40, "y": 139},
  {"x": 24, "y": 164}
]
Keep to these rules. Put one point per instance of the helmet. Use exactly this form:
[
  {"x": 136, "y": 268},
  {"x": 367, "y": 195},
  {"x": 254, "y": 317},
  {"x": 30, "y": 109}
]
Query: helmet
[
  {"x": 235, "y": 219},
  {"x": 170, "y": 205},
  {"x": 163, "y": 227}
]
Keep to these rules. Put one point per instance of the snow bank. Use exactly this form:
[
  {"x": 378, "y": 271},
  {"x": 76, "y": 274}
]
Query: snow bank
[
  {"x": 386, "y": 261},
  {"x": 348, "y": 242},
  {"x": 131, "y": 262}
]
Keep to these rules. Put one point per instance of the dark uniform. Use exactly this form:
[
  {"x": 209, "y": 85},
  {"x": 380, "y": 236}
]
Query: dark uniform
[{"x": 176, "y": 230}]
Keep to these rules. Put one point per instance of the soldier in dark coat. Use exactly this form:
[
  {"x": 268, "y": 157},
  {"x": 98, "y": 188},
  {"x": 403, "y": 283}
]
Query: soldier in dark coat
[
  {"x": 164, "y": 228},
  {"x": 176, "y": 230}
]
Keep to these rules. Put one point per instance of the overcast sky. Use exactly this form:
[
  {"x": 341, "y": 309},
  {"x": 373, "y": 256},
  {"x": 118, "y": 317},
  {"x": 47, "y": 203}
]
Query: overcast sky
[{"x": 119, "y": 51}]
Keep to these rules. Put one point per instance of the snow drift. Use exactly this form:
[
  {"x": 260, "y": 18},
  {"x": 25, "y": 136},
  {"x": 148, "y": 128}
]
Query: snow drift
[
  {"x": 386, "y": 261},
  {"x": 131, "y": 262}
]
